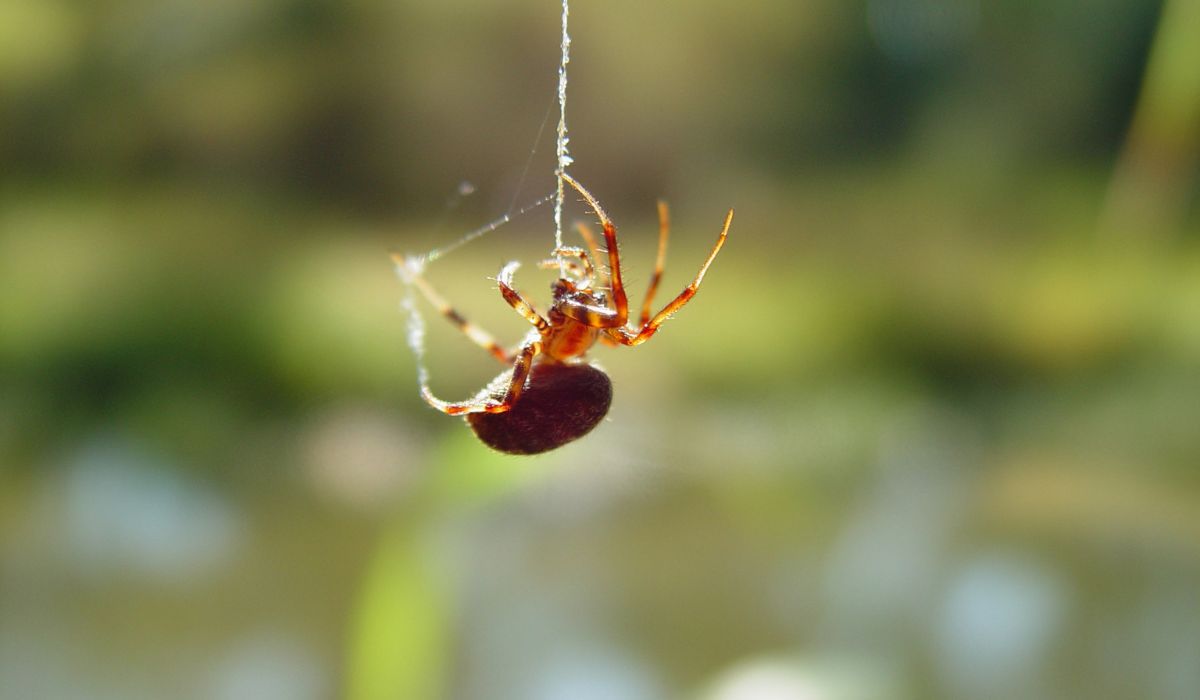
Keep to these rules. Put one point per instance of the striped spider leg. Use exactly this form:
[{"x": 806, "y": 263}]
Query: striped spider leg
[{"x": 520, "y": 357}]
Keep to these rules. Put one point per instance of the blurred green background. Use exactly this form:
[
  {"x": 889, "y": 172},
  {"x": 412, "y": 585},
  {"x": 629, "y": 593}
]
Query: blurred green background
[{"x": 928, "y": 431}]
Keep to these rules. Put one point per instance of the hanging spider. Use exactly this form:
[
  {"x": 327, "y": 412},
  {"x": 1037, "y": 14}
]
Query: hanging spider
[{"x": 552, "y": 395}]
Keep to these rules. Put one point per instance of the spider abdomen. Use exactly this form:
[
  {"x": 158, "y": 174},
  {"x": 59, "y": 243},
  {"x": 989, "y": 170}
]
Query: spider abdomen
[{"x": 560, "y": 403}]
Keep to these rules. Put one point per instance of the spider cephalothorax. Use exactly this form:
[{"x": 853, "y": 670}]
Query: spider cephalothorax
[{"x": 551, "y": 395}]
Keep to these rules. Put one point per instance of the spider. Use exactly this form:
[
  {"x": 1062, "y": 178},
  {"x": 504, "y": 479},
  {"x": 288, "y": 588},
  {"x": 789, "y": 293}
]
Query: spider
[{"x": 552, "y": 394}]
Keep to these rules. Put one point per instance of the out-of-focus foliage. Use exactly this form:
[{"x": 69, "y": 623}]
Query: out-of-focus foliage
[{"x": 928, "y": 430}]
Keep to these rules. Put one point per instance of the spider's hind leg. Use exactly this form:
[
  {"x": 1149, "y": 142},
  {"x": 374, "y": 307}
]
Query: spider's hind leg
[
  {"x": 411, "y": 275},
  {"x": 508, "y": 387}
]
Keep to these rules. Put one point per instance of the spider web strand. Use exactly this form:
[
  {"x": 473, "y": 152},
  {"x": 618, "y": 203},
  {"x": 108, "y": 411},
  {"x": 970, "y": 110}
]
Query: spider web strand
[
  {"x": 563, "y": 157},
  {"x": 485, "y": 229},
  {"x": 416, "y": 322}
]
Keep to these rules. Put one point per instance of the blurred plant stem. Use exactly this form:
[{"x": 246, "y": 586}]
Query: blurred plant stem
[
  {"x": 401, "y": 630},
  {"x": 401, "y": 641},
  {"x": 1153, "y": 176}
]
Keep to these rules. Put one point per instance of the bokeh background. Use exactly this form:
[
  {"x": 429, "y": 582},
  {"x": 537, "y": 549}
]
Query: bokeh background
[{"x": 928, "y": 431}]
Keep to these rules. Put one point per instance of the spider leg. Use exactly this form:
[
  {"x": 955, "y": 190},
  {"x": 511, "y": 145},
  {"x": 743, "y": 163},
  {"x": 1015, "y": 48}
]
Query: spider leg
[
  {"x": 589, "y": 239},
  {"x": 664, "y": 230},
  {"x": 620, "y": 300},
  {"x": 552, "y": 264},
  {"x": 584, "y": 268},
  {"x": 631, "y": 337},
  {"x": 485, "y": 402},
  {"x": 477, "y": 335},
  {"x": 515, "y": 300}
]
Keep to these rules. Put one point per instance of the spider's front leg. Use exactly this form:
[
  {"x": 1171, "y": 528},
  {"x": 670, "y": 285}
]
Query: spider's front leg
[
  {"x": 660, "y": 260},
  {"x": 505, "y": 281},
  {"x": 584, "y": 270},
  {"x": 620, "y": 299},
  {"x": 508, "y": 386}
]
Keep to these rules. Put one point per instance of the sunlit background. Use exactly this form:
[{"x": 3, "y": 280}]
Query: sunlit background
[{"x": 929, "y": 430}]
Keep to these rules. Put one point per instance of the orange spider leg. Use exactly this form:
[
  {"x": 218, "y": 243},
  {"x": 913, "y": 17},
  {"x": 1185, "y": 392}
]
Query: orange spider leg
[
  {"x": 589, "y": 239},
  {"x": 584, "y": 269},
  {"x": 477, "y": 335},
  {"x": 620, "y": 300},
  {"x": 515, "y": 300},
  {"x": 664, "y": 230},
  {"x": 628, "y": 336},
  {"x": 484, "y": 402},
  {"x": 572, "y": 266}
]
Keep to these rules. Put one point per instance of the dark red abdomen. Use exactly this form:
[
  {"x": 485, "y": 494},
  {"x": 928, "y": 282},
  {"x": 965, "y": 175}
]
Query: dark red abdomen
[{"x": 560, "y": 403}]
